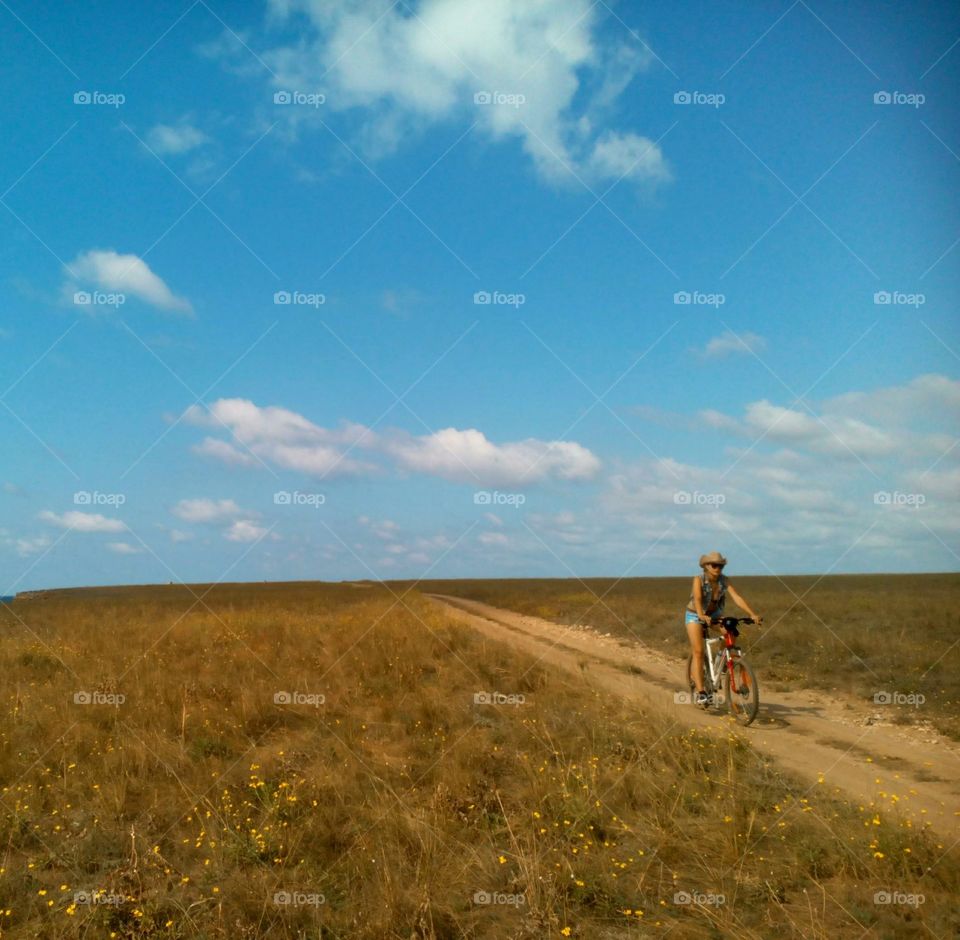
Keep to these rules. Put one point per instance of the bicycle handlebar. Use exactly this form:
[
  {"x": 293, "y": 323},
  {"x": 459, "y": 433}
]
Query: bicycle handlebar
[{"x": 718, "y": 621}]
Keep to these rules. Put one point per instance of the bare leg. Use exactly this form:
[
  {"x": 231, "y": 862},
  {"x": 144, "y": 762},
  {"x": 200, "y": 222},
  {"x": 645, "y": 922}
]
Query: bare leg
[{"x": 695, "y": 634}]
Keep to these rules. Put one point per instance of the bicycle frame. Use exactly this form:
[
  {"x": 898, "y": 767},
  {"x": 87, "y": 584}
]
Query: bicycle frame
[{"x": 718, "y": 660}]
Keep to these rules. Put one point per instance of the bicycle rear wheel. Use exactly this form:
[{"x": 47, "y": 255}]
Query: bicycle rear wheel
[{"x": 745, "y": 701}]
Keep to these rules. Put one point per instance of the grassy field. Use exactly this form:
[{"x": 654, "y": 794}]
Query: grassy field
[
  {"x": 310, "y": 760},
  {"x": 862, "y": 634}
]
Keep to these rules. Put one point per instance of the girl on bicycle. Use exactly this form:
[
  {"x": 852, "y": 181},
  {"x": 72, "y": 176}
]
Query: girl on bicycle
[{"x": 707, "y": 596}]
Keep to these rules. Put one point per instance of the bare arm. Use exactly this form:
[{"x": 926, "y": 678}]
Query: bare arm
[
  {"x": 740, "y": 602},
  {"x": 698, "y": 598}
]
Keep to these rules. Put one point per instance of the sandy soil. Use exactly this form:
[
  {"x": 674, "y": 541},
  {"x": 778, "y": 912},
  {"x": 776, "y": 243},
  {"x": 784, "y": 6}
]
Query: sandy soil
[{"x": 831, "y": 741}]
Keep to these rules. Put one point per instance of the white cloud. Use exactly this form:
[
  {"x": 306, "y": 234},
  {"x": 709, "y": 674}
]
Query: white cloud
[
  {"x": 924, "y": 398},
  {"x": 82, "y": 521},
  {"x": 126, "y": 274},
  {"x": 223, "y": 451},
  {"x": 627, "y": 156},
  {"x": 208, "y": 510},
  {"x": 469, "y": 457},
  {"x": 175, "y": 139},
  {"x": 244, "y": 531},
  {"x": 729, "y": 342},
  {"x": 31, "y": 546},
  {"x": 493, "y": 538},
  {"x": 123, "y": 548},
  {"x": 280, "y": 436},
  {"x": 290, "y": 440},
  {"x": 413, "y": 65}
]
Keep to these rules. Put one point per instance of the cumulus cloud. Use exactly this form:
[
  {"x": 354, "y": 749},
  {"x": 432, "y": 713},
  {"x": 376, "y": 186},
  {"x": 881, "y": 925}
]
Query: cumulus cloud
[
  {"x": 82, "y": 521},
  {"x": 728, "y": 343},
  {"x": 208, "y": 510},
  {"x": 280, "y": 436},
  {"x": 123, "y": 548},
  {"x": 544, "y": 74},
  {"x": 243, "y": 530},
  {"x": 31, "y": 546},
  {"x": 223, "y": 451},
  {"x": 126, "y": 274},
  {"x": 287, "y": 439},
  {"x": 468, "y": 456},
  {"x": 175, "y": 139}
]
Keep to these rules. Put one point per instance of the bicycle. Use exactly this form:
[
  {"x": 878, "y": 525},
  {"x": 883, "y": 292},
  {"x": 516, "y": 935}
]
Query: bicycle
[{"x": 728, "y": 668}]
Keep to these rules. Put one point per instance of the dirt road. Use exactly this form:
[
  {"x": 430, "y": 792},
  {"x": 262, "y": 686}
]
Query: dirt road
[{"x": 839, "y": 744}]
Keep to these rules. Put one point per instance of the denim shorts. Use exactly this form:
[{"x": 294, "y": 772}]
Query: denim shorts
[{"x": 691, "y": 616}]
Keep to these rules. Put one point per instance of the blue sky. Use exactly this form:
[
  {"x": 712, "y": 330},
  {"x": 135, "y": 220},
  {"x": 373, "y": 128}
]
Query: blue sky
[{"x": 787, "y": 168}]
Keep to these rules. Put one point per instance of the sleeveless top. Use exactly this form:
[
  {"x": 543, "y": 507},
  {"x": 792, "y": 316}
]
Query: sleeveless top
[{"x": 706, "y": 594}]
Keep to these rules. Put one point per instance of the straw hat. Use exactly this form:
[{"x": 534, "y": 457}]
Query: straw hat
[{"x": 713, "y": 557}]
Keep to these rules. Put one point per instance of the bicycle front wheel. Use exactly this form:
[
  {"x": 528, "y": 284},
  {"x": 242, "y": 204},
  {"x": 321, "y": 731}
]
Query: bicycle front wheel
[{"x": 742, "y": 695}]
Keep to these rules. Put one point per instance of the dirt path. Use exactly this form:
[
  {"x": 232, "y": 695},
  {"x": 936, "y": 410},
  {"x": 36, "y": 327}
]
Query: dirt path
[{"x": 914, "y": 771}]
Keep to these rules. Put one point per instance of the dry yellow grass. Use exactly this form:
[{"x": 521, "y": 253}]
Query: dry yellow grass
[{"x": 201, "y": 805}]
